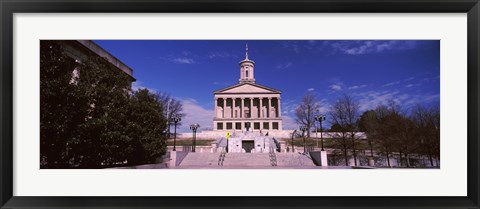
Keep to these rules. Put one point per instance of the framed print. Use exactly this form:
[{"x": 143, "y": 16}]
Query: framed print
[{"x": 160, "y": 104}]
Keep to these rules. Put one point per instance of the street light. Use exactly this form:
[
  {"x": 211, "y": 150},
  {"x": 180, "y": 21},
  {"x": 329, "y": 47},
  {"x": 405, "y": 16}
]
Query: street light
[
  {"x": 320, "y": 118},
  {"x": 303, "y": 129},
  {"x": 194, "y": 128},
  {"x": 293, "y": 135},
  {"x": 176, "y": 118}
]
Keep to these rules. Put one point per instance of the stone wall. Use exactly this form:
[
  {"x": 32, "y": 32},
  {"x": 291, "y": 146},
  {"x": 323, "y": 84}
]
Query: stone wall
[{"x": 276, "y": 134}]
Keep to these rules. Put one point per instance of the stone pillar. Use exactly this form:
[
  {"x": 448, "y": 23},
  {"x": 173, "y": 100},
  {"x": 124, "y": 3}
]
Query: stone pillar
[
  {"x": 251, "y": 105},
  {"x": 323, "y": 158},
  {"x": 241, "y": 109},
  {"x": 233, "y": 108},
  {"x": 278, "y": 108},
  {"x": 224, "y": 105},
  {"x": 260, "y": 108},
  {"x": 254, "y": 114},
  {"x": 269, "y": 107},
  {"x": 215, "y": 109},
  {"x": 173, "y": 159}
]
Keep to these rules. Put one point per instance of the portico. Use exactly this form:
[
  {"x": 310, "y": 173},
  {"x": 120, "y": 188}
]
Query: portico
[{"x": 247, "y": 105}]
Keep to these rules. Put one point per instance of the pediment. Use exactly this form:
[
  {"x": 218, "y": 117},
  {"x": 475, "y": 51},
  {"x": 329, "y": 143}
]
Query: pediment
[{"x": 247, "y": 88}]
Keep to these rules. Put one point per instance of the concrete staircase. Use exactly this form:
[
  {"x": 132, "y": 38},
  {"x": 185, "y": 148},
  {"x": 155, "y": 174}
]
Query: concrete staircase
[
  {"x": 247, "y": 160},
  {"x": 293, "y": 160},
  {"x": 241, "y": 160},
  {"x": 200, "y": 159}
]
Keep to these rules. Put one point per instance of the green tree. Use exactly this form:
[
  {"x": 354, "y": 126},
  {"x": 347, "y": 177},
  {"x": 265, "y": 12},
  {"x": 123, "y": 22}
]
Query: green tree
[
  {"x": 146, "y": 127},
  {"x": 60, "y": 111},
  {"x": 104, "y": 93}
]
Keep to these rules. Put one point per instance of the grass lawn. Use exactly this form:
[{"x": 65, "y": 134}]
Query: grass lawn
[{"x": 327, "y": 143}]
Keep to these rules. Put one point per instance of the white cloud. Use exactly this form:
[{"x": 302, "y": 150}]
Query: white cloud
[
  {"x": 219, "y": 55},
  {"x": 288, "y": 123},
  {"x": 411, "y": 85},
  {"x": 336, "y": 87},
  {"x": 372, "y": 99},
  {"x": 140, "y": 85},
  {"x": 366, "y": 47},
  {"x": 311, "y": 89},
  {"x": 284, "y": 66},
  {"x": 183, "y": 61},
  {"x": 195, "y": 114},
  {"x": 294, "y": 45},
  {"x": 357, "y": 87},
  {"x": 391, "y": 83}
]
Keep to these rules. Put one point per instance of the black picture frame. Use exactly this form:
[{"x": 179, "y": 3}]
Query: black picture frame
[{"x": 10, "y": 7}]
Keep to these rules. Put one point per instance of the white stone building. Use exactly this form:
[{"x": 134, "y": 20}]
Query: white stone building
[{"x": 247, "y": 105}]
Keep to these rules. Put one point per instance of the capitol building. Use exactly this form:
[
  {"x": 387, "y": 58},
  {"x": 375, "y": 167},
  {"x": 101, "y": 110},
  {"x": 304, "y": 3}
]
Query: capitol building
[{"x": 247, "y": 106}]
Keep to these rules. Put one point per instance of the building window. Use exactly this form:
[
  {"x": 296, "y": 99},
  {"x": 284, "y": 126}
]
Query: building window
[
  {"x": 236, "y": 113},
  {"x": 219, "y": 126},
  {"x": 246, "y": 74},
  {"x": 247, "y": 113},
  {"x": 229, "y": 126},
  {"x": 266, "y": 125},
  {"x": 256, "y": 126},
  {"x": 238, "y": 126},
  {"x": 275, "y": 126}
]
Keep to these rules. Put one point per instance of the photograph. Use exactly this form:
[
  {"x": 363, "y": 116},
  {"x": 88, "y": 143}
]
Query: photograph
[{"x": 240, "y": 104}]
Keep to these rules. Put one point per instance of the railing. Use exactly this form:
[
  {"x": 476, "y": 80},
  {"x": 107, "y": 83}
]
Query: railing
[
  {"x": 221, "y": 158},
  {"x": 273, "y": 158}
]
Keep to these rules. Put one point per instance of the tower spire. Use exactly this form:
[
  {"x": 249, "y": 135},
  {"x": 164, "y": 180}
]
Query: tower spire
[{"x": 246, "y": 69}]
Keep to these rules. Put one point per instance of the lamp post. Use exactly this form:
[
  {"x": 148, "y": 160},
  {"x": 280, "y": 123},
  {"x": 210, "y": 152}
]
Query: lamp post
[
  {"x": 320, "y": 118},
  {"x": 293, "y": 135},
  {"x": 176, "y": 118},
  {"x": 194, "y": 128},
  {"x": 303, "y": 129}
]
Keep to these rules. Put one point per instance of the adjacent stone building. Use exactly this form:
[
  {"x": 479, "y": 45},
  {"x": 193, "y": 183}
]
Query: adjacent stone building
[
  {"x": 79, "y": 50},
  {"x": 247, "y": 105}
]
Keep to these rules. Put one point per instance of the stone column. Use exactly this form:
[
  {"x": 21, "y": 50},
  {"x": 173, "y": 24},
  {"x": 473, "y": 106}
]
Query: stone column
[
  {"x": 260, "y": 108},
  {"x": 254, "y": 115},
  {"x": 215, "y": 109},
  {"x": 224, "y": 105},
  {"x": 251, "y": 105},
  {"x": 269, "y": 107},
  {"x": 241, "y": 109},
  {"x": 278, "y": 108},
  {"x": 233, "y": 108}
]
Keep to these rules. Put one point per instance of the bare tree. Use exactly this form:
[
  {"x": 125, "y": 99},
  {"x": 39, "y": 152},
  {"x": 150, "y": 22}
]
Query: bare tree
[
  {"x": 305, "y": 112},
  {"x": 427, "y": 124},
  {"x": 367, "y": 124},
  {"x": 171, "y": 107},
  {"x": 387, "y": 129},
  {"x": 345, "y": 113}
]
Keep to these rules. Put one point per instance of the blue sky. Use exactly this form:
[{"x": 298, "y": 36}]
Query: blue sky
[{"x": 373, "y": 72}]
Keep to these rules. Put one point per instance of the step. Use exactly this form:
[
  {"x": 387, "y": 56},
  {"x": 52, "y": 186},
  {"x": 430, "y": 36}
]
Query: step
[{"x": 200, "y": 159}]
